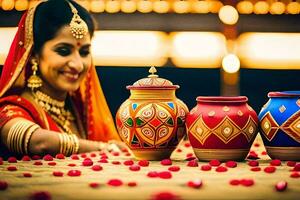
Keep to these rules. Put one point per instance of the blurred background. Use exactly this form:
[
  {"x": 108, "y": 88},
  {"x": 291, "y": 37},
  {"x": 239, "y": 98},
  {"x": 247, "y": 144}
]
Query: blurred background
[{"x": 207, "y": 47}]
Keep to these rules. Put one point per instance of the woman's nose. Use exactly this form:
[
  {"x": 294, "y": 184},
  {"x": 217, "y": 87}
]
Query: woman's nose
[{"x": 76, "y": 63}]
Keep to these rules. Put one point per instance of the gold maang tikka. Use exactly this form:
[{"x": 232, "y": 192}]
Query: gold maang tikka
[
  {"x": 34, "y": 80},
  {"x": 77, "y": 25}
]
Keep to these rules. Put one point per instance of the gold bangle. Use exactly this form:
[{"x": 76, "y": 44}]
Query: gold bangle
[{"x": 28, "y": 135}]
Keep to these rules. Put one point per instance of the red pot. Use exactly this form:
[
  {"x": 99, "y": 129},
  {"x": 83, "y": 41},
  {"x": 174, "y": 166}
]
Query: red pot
[{"x": 221, "y": 128}]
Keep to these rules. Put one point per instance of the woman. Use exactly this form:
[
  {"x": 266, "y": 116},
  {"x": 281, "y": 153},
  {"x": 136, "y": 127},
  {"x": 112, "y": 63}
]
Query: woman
[{"x": 51, "y": 100}]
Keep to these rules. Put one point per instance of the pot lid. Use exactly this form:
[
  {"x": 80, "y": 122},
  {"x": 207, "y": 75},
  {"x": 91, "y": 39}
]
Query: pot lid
[
  {"x": 284, "y": 94},
  {"x": 152, "y": 82}
]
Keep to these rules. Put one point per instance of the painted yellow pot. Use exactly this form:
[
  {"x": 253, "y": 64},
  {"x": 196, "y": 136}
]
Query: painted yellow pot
[{"x": 152, "y": 121}]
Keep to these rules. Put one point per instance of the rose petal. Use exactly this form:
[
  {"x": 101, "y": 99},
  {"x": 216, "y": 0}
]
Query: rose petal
[
  {"x": 143, "y": 163},
  {"x": 152, "y": 174},
  {"x": 174, "y": 168},
  {"x": 52, "y": 163},
  {"x": 291, "y": 163},
  {"x": 12, "y": 160},
  {"x": 74, "y": 157},
  {"x": 270, "y": 169},
  {"x": 38, "y": 163},
  {"x": 87, "y": 162},
  {"x": 83, "y": 155},
  {"x": 221, "y": 169},
  {"x": 187, "y": 144},
  {"x": 93, "y": 155},
  {"x": 94, "y": 185},
  {"x": 3, "y": 185},
  {"x": 165, "y": 195},
  {"x": 190, "y": 158},
  {"x": 178, "y": 150},
  {"x": 264, "y": 153},
  {"x": 253, "y": 163},
  {"x": 103, "y": 161},
  {"x": 166, "y": 162},
  {"x": 115, "y": 153},
  {"x": 275, "y": 162},
  {"x": 36, "y": 157},
  {"x": 205, "y": 167},
  {"x": 115, "y": 182},
  {"x": 295, "y": 175},
  {"x": 48, "y": 157},
  {"x": 74, "y": 173},
  {"x": 214, "y": 163},
  {"x": 281, "y": 186},
  {"x": 134, "y": 168},
  {"x": 27, "y": 174},
  {"x": 132, "y": 184},
  {"x": 247, "y": 182},
  {"x": 26, "y": 158},
  {"x": 189, "y": 155},
  {"x": 62, "y": 156},
  {"x": 57, "y": 173},
  {"x": 97, "y": 168},
  {"x": 234, "y": 182},
  {"x": 115, "y": 162},
  {"x": 12, "y": 168},
  {"x": 195, "y": 183},
  {"x": 42, "y": 195},
  {"x": 231, "y": 164},
  {"x": 165, "y": 175},
  {"x": 297, "y": 167},
  {"x": 128, "y": 162},
  {"x": 192, "y": 163},
  {"x": 71, "y": 164},
  {"x": 255, "y": 169}
]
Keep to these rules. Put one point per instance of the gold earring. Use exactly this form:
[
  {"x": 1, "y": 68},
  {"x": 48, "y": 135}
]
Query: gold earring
[{"x": 34, "y": 80}]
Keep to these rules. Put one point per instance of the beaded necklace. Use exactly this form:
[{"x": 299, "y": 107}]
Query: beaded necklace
[{"x": 55, "y": 109}]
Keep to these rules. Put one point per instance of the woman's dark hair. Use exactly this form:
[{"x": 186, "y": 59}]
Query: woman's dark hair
[{"x": 52, "y": 15}]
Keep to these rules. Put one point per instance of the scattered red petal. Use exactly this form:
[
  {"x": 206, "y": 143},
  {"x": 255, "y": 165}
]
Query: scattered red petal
[
  {"x": 26, "y": 158},
  {"x": 38, "y": 163},
  {"x": 115, "y": 153},
  {"x": 205, "y": 167},
  {"x": 104, "y": 156},
  {"x": 221, "y": 169},
  {"x": 143, "y": 163},
  {"x": 281, "y": 186},
  {"x": 94, "y": 185},
  {"x": 1, "y": 162},
  {"x": 165, "y": 175},
  {"x": 297, "y": 167},
  {"x": 231, "y": 164},
  {"x": 165, "y": 196},
  {"x": 174, "y": 168},
  {"x": 71, "y": 164},
  {"x": 234, "y": 182},
  {"x": 12, "y": 160},
  {"x": 247, "y": 182},
  {"x": 291, "y": 163},
  {"x": 192, "y": 163},
  {"x": 11, "y": 168},
  {"x": 189, "y": 155},
  {"x": 97, "y": 168},
  {"x": 152, "y": 174},
  {"x": 190, "y": 158},
  {"x": 62, "y": 156},
  {"x": 252, "y": 155},
  {"x": 214, "y": 163},
  {"x": 128, "y": 162},
  {"x": 256, "y": 144},
  {"x": 83, "y": 155},
  {"x": 52, "y": 163},
  {"x": 74, "y": 157},
  {"x": 1, "y": 159},
  {"x": 187, "y": 144},
  {"x": 127, "y": 154},
  {"x": 36, "y": 157},
  {"x": 124, "y": 150},
  {"x": 178, "y": 150},
  {"x": 57, "y": 173},
  {"x": 87, "y": 162},
  {"x": 194, "y": 184},
  {"x": 166, "y": 162},
  {"x": 3, "y": 185},
  {"x": 275, "y": 162},
  {"x": 74, "y": 173},
  {"x": 295, "y": 175},
  {"x": 48, "y": 157},
  {"x": 132, "y": 184},
  {"x": 253, "y": 163},
  {"x": 264, "y": 153},
  {"x": 93, "y": 155},
  {"x": 115, "y": 162},
  {"x": 255, "y": 169},
  {"x": 134, "y": 168},
  {"x": 270, "y": 169},
  {"x": 42, "y": 195},
  {"x": 115, "y": 182},
  {"x": 103, "y": 161},
  {"x": 27, "y": 174}
]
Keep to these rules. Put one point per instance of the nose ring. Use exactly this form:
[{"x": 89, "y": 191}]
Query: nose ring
[{"x": 71, "y": 64}]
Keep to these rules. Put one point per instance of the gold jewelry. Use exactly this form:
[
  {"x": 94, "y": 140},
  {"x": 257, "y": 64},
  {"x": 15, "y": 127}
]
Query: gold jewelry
[
  {"x": 69, "y": 144},
  {"x": 34, "y": 80},
  {"x": 55, "y": 109},
  {"x": 78, "y": 26}
]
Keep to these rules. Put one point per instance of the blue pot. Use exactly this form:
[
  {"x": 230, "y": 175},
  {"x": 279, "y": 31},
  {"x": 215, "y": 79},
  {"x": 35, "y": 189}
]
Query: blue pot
[{"x": 280, "y": 125}]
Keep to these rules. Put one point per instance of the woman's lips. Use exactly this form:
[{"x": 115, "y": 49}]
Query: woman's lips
[{"x": 71, "y": 76}]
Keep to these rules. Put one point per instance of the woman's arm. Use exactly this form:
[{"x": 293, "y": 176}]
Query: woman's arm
[{"x": 43, "y": 141}]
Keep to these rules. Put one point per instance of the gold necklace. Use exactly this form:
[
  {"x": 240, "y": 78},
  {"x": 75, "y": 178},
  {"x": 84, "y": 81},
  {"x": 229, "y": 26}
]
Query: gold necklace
[{"x": 55, "y": 109}]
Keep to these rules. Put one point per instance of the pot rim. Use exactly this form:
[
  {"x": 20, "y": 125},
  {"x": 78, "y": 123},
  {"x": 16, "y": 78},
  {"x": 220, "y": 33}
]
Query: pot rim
[
  {"x": 284, "y": 94},
  {"x": 173, "y": 87},
  {"x": 222, "y": 99}
]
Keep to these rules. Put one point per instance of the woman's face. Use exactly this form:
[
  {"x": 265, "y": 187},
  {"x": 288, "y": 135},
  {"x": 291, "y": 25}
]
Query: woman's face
[{"x": 64, "y": 61}]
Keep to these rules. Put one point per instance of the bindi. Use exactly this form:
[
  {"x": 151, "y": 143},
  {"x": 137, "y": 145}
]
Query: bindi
[{"x": 78, "y": 44}]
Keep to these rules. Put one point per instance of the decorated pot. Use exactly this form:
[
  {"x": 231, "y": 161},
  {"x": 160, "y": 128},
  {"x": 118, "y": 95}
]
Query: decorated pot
[
  {"x": 221, "y": 128},
  {"x": 280, "y": 125},
  {"x": 152, "y": 121}
]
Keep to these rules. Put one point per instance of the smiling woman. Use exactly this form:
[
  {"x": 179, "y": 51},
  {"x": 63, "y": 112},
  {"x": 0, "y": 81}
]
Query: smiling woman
[{"x": 51, "y": 100}]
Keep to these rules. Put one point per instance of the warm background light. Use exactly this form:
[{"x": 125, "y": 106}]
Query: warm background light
[
  {"x": 228, "y": 15},
  {"x": 269, "y": 50},
  {"x": 8, "y": 4},
  {"x": 181, "y": 6},
  {"x": 7, "y": 36},
  {"x": 144, "y": 6},
  {"x": 128, "y": 6},
  {"x": 277, "y": 8},
  {"x": 112, "y": 6},
  {"x": 231, "y": 63},
  {"x": 97, "y": 6},
  {"x": 161, "y": 6},
  {"x": 21, "y": 5},
  {"x": 293, "y": 8},
  {"x": 245, "y": 7},
  {"x": 261, "y": 7},
  {"x": 200, "y": 6},
  {"x": 130, "y": 48},
  {"x": 197, "y": 49},
  {"x": 215, "y": 6}
]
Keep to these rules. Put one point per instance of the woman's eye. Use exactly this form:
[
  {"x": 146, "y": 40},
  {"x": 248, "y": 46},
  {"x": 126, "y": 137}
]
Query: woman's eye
[
  {"x": 63, "y": 51},
  {"x": 84, "y": 52}
]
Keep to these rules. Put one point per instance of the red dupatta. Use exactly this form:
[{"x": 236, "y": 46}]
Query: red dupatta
[{"x": 89, "y": 98}]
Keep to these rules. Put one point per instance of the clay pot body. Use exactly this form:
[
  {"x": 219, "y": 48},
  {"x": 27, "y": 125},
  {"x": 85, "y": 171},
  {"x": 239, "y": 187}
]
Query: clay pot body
[
  {"x": 152, "y": 121},
  {"x": 280, "y": 125},
  {"x": 221, "y": 128}
]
